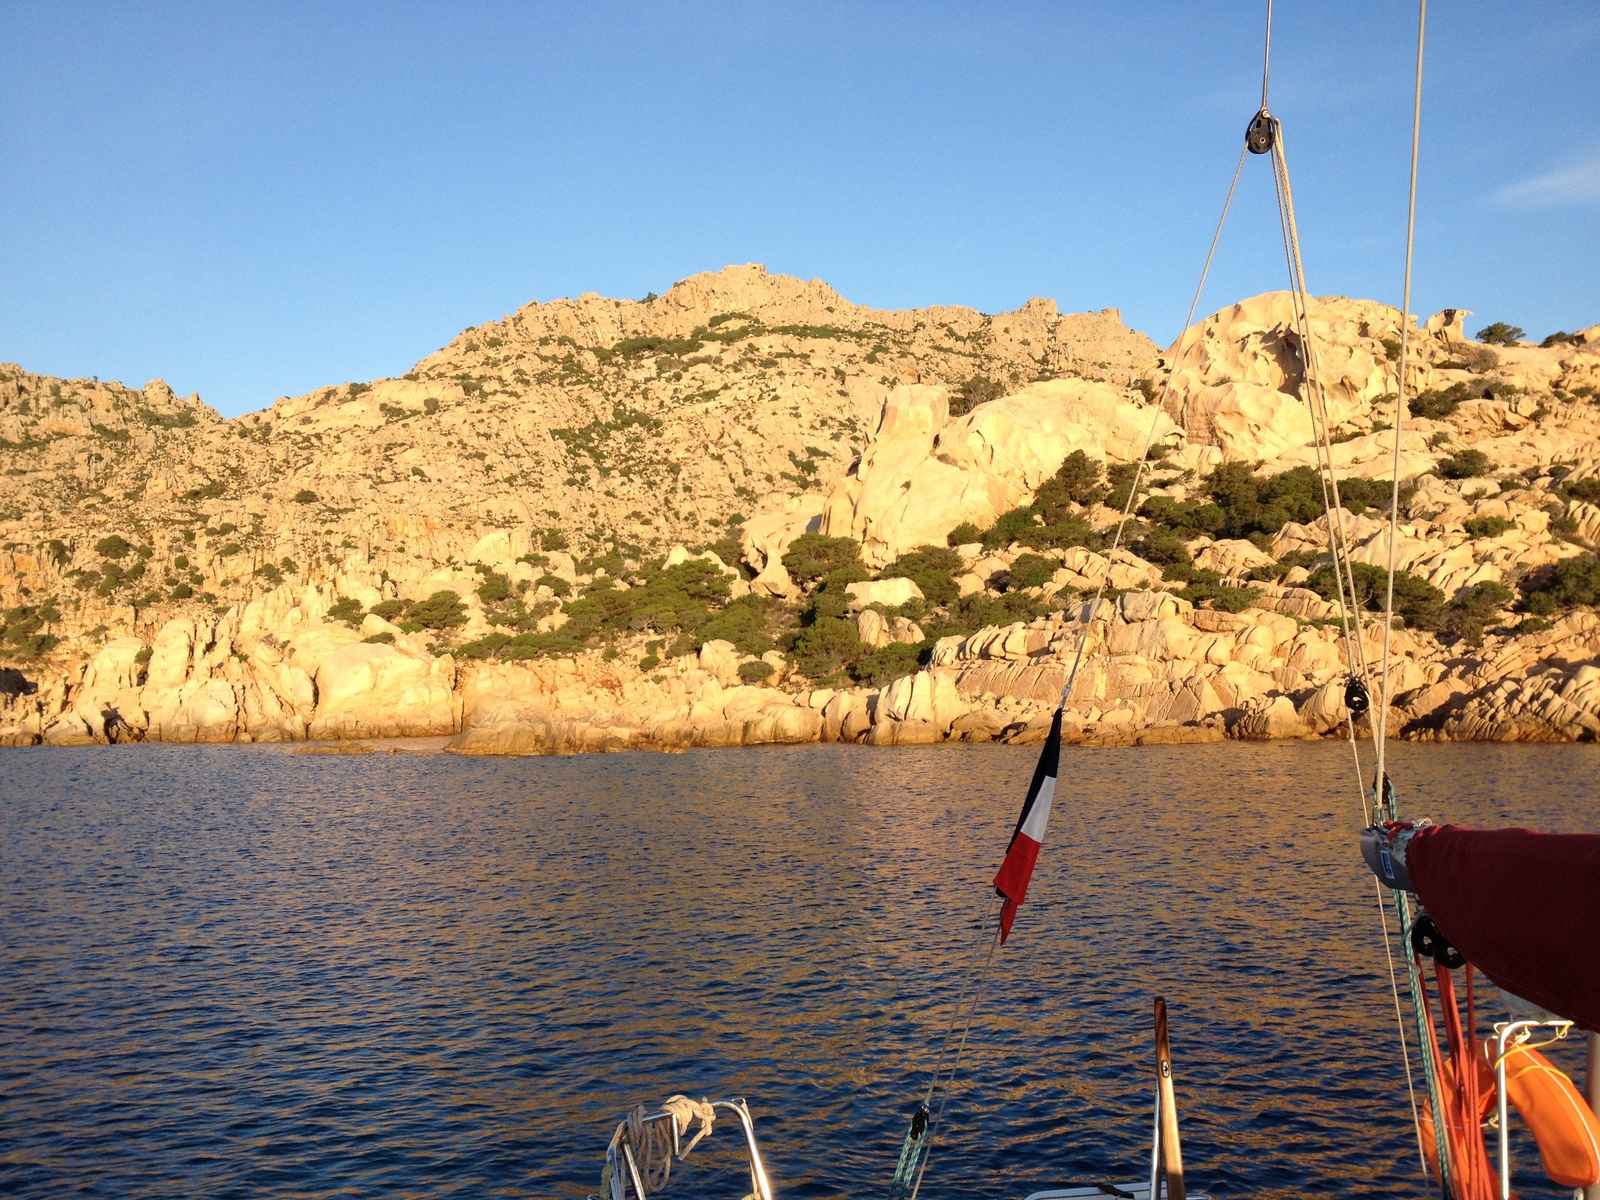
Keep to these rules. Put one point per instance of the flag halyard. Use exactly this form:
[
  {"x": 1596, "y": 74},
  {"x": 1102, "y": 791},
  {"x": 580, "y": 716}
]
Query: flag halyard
[{"x": 1011, "y": 882}]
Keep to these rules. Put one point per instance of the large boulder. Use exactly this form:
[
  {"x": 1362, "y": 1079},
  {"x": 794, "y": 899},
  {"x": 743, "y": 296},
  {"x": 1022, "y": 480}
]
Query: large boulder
[{"x": 373, "y": 690}]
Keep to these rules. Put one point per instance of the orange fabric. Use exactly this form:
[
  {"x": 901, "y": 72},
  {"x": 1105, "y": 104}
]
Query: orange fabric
[{"x": 1558, "y": 1117}]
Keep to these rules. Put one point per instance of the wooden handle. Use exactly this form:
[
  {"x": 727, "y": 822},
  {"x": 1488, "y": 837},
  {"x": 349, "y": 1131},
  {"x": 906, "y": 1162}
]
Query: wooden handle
[{"x": 1171, "y": 1147}]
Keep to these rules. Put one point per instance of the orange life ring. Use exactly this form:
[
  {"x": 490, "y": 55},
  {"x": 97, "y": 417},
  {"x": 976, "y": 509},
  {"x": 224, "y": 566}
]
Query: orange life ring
[{"x": 1567, "y": 1132}]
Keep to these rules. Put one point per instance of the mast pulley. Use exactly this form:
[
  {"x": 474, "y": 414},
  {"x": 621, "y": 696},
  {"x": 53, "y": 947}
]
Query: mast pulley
[{"x": 1262, "y": 133}]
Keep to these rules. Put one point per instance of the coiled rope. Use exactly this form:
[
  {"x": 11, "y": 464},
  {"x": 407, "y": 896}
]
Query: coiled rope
[{"x": 652, "y": 1143}]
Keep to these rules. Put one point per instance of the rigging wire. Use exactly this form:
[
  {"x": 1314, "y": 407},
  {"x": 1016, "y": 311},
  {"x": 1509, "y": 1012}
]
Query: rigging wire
[
  {"x": 1266, "y": 57},
  {"x": 1382, "y": 729},
  {"x": 1092, "y": 609},
  {"x": 1338, "y": 540}
]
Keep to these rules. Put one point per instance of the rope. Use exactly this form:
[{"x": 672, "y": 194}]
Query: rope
[
  {"x": 907, "y": 1176},
  {"x": 1382, "y": 730},
  {"x": 1090, "y": 610},
  {"x": 1381, "y": 723},
  {"x": 652, "y": 1143},
  {"x": 1317, "y": 403},
  {"x": 955, "y": 1064},
  {"x": 1338, "y": 541}
]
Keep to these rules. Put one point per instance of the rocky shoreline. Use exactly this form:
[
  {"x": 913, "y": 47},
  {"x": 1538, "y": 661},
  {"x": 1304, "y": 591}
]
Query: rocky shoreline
[{"x": 908, "y": 579}]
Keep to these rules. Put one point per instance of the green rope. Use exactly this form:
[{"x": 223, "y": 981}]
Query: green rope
[
  {"x": 1402, "y": 904},
  {"x": 905, "y": 1171}
]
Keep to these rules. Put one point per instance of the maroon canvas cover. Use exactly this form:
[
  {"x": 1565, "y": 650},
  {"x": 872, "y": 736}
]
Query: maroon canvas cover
[{"x": 1523, "y": 906}]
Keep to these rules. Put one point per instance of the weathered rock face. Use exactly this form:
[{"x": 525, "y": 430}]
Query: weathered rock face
[
  {"x": 923, "y": 474},
  {"x": 1236, "y": 376}
]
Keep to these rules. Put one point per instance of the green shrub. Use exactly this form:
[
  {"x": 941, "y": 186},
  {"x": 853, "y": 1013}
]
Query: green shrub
[
  {"x": 494, "y": 588},
  {"x": 442, "y": 610},
  {"x": 1121, "y": 478},
  {"x": 1586, "y": 490},
  {"x": 1487, "y": 527},
  {"x": 932, "y": 569},
  {"x": 182, "y": 592},
  {"x": 1465, "y": 464},
  {"x": 1500, "y": 334},
  {"x": 1436, "y": 404},
  {"x": 388, "y": 609},
  {"x": 305, "y": 496},
  {"x": 385, "y": 638},
  {"x": 755, "y": 672},
  {"x": 963, "y": 534},
  {"x": 888, "y": 663},
  {"x": 812, "y": 556},
  {"x": 744, "y": 623},
  {"x": 348, "y": 609},
  {"x": 1416, "y": 601},
  {"x": 1472, "y": 608},
  {"x": 649, "y": 662},
  {"x": 1079, "y": 480},
  {"x": 980, "y": 389},
  {"x": 1032, "y": 570},
  {"x": 270, "y": 573},
  {"x": 825, "y": 646},
  {"x": 1567, "y": 582},
  {"x": 1163, "y": 547},
  {"x": 555, "y": 583},
  {"x": 115, "y": 546}
]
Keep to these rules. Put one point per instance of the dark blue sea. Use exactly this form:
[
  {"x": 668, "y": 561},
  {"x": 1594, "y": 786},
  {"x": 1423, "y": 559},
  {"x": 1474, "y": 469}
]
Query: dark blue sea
[{"x": 241, "y": 972}]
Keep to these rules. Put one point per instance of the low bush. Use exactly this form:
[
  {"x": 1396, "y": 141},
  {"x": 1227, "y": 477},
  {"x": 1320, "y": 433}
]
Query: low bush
[
  {"x": 442, "y": 610},
  {"x": 114, "y": 547},
  {"x": 1472, "y": 608},
  {"x": 1465, "y": 464},
  {"x": 1571, "y": 581},
  {"x": 1032, "y": 570},
  {"x": 812, "y": 556},
  {"x": 1487, "y": 527},
  {"x": 964, "y": 534},
  {"x": 888, "y": 663},
  {"x": 980, "y": 389},
  {"x": 1436, "y": 404},
  {"x": 1416, "y": 601},
  {"x": 825, "y": 646},
  {"x": 755, "y": 672},
  {"x": 932, "y": 569}
]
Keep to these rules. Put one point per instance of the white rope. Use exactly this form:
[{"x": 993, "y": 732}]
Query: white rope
[
  {"x": 1381, "y": 725},
  {"x": 1382, "y": 729},
  {"x": 1091, "y": 610},
  {"x": 1317, "y": 402},
  {"x": 652, "y": 1142}
]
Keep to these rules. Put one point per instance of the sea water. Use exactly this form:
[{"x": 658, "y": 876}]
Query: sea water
[{"x": 242, "y": 972}]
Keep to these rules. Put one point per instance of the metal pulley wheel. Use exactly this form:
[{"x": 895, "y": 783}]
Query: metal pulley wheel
[{"x": 1262, "y": 133}]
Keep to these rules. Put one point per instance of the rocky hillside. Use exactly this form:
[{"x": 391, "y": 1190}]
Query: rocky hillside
[{"x": 747, "y": 509}]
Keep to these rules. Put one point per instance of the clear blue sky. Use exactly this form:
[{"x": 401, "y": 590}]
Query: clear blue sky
[{"x": 251, "y": 200}]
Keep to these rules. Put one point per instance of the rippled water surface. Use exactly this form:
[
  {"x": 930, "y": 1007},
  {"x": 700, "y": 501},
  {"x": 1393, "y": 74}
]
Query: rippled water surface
[{"x": 234, "y": 971}]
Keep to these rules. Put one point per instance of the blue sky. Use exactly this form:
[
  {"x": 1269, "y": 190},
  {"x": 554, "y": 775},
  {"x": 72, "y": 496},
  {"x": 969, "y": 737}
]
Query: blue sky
[{"x": 255, "y": 200}]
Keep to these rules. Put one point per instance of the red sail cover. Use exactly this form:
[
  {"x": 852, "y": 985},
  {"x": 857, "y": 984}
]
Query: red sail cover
[
  {"x": 1523, "y": 906},
  {"x": 1017, "y": 869}
]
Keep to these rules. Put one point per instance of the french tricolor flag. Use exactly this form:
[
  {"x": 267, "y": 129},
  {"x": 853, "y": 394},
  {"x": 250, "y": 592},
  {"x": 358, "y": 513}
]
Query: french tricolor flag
[{"x": 1017, "y": 870}]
